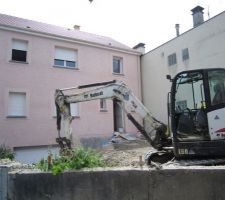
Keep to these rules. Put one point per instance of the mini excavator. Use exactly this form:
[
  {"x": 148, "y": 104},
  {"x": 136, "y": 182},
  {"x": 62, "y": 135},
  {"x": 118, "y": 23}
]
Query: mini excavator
[{"x": 196, "y": 115}]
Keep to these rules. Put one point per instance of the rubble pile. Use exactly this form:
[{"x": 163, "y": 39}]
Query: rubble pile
[
  {"x": 125, "y": 158},
  {"x": 125, "y": 150},
  {"x": 16, "y": 165}
]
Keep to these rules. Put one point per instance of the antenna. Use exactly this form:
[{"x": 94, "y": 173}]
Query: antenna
[{"x": 208, "y": 13}]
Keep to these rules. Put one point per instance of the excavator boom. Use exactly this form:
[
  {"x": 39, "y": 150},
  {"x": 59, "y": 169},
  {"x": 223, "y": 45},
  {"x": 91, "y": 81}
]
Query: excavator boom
[{"x": 156, "y": 132}]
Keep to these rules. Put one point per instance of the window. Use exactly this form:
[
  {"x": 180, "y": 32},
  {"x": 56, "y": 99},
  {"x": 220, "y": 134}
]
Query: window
[
  {"x": 189, "y": 91},
  {"x": 172, "y": 59},
  {"x": 117, "y": 65},
  {"x": 17, "y": 104},
  {"x": 182, "y": 105},
  {"x": 217, "y": 87},
  {"x": 190, "y": 116},
  {"x": 74, "y": 110},
  {"x": 19, "y": 50},
  {"x": 185, "y": 54},
  {"x": 65, "y": 58},
  {"x": 103, "y": 106}
]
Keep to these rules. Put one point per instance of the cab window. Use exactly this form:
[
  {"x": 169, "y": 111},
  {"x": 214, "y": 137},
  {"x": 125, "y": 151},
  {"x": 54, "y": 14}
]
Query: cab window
[
  {"x": 217, "y": 87},
  {"x": 189, "y": 91},
  {"x": 190, "y": 117}
]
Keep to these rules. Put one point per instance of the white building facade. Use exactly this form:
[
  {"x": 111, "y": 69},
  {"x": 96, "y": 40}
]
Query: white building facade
[{"x": 201, "y": 47}]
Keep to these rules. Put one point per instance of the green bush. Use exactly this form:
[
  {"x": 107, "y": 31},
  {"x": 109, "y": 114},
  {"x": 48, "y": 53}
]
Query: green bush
[
  {"x": 76, "y": 158},
  {"x": 6, "y": 152}
]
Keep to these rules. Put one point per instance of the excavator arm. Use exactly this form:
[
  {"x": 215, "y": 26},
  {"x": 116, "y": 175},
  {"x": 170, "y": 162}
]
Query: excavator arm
[{"x": 155, "y": 133}]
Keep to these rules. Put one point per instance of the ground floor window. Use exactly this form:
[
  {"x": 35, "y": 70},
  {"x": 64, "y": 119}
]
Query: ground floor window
[{"x": 17, "y": 104}]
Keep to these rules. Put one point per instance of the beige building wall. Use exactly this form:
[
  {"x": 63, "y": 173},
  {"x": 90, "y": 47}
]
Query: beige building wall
[{"x": 206, "y": 48}]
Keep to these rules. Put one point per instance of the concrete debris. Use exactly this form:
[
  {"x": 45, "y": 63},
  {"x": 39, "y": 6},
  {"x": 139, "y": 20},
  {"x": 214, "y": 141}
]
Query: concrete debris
[
  {"x": 121, "y": 137},
  {"x": 126, "y": 158},
  {"x": 127, "y": 136},
  {"x": 16, "y": 166}
]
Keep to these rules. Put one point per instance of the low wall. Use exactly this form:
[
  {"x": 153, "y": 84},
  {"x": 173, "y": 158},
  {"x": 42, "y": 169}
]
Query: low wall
[
  {"x": 130, "y": 184},
  {"x": 3, "y": 182}
]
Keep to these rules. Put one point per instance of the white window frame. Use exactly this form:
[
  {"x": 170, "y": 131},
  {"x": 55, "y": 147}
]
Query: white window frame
[
  {"x": 120, "y": 59},
  {"x": 19, "y": 45},
  {"x": 74, "y": 110},
  {"x": 103, "y": 105},
  {"x": 64, "y": 56},
  {"x": 17, "y": 107}
]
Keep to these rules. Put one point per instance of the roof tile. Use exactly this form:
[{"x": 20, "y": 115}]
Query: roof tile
[{"x": 31, "y": 25}]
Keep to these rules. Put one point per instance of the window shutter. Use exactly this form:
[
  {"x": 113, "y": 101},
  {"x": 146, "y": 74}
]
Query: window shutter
[
  {"x": 172, "y": 59},
  {"x": 185, "y": 54},
  {"x": 74, "y": 109},
  {"x": 17, "y": 104},
  {"x": 65, "y": 54},
  {"x": 19, "y": 45}
]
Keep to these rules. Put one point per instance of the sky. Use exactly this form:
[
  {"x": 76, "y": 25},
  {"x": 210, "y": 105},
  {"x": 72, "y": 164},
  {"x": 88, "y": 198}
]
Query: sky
[{"x": 127, "y": 21}]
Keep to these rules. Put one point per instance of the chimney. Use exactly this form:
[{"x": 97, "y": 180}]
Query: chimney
[
  {"x": 76, "y": 27},
  {"x": 177, "y": 26},
  {"x": 140, "y": 47},
  {"x": 197, "y": 13}
]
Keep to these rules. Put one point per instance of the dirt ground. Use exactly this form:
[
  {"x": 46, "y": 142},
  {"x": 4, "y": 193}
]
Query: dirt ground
[
  {"x": 126, "y": 154},
  {"x": 123, "y": 154}
]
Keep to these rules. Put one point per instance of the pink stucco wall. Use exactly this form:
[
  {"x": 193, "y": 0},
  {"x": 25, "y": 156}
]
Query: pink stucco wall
[{"x": 39, "y": 79}]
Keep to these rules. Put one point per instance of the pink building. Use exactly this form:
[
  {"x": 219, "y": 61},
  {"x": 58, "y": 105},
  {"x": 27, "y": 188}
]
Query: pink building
[{"x": 36, "y": 59}]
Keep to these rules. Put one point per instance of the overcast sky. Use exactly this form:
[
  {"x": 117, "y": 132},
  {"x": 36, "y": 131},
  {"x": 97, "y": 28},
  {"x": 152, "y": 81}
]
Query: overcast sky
[{"x": 127, "y": 21}]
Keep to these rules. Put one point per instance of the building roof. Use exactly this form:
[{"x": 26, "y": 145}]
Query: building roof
[
  {"x": 186, "y": 32},
  {"x": 77, "y": 35}
]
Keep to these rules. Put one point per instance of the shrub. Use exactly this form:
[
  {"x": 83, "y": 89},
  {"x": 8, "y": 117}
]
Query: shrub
[
  {"x": 6, "y": 152},
  {"x": 76, "y": 158}
]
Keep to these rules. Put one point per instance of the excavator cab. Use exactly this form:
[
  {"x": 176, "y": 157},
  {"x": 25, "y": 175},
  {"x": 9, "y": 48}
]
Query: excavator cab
[{"x": 197, "y": 103}]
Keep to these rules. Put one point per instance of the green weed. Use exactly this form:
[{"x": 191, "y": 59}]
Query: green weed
[
  {"x": 76, "y": 158},
  {"x": 6, "y": 152}
]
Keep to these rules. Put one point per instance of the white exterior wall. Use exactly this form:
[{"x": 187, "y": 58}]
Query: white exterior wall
[
  {"x": 206, "y": 50},
  {"x": 26, "y": 155}
]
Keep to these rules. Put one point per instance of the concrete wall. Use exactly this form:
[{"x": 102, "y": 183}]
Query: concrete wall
[
  {"x": 206, "y": 50},
  {"x": 168, "y": 184},
  {"x": 3, "y": 183}
]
